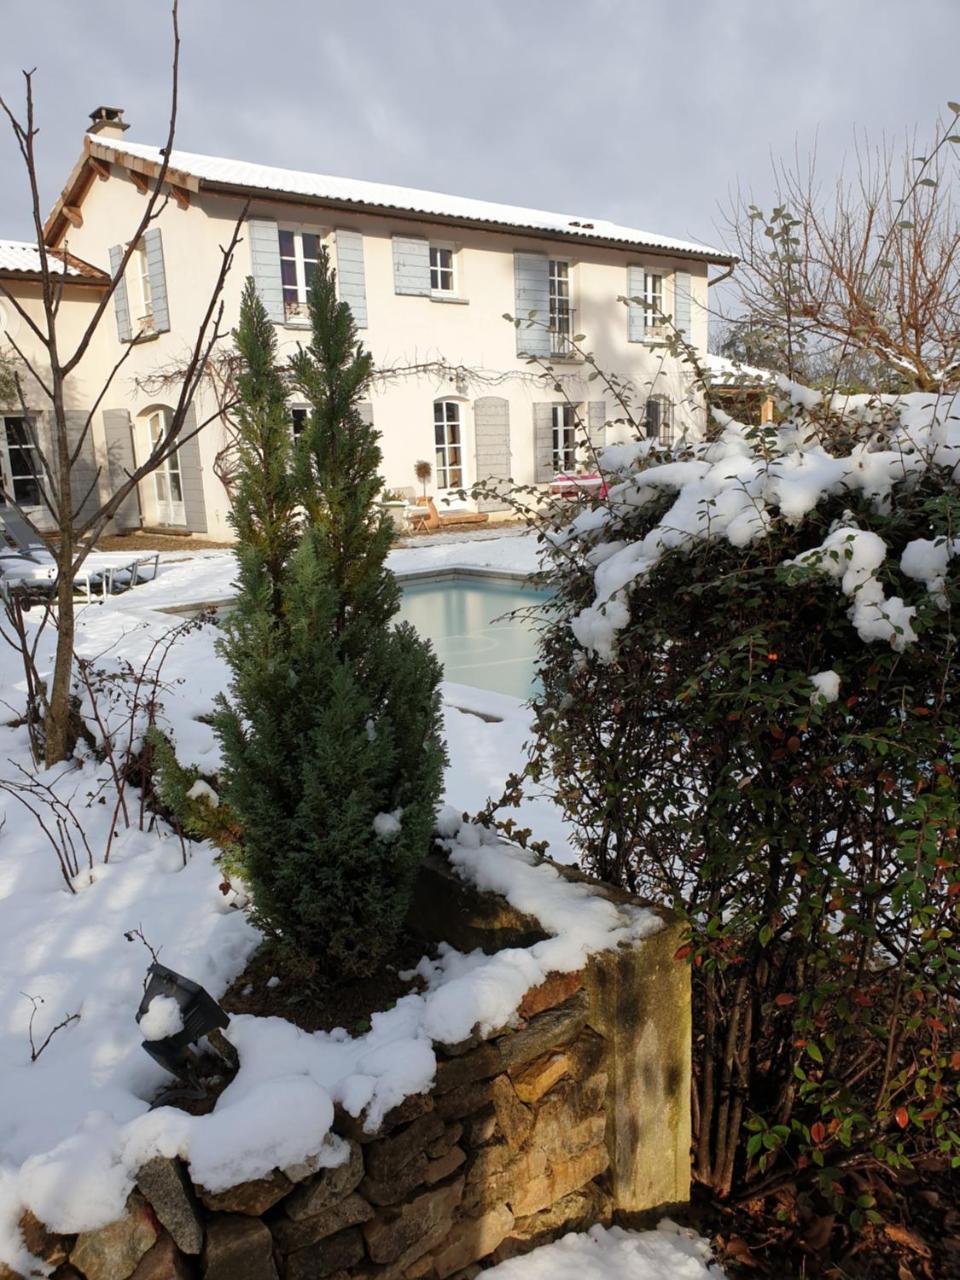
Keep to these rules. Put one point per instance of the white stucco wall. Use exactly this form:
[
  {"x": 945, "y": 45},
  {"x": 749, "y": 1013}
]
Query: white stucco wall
[{"x": 403, "y": 330}]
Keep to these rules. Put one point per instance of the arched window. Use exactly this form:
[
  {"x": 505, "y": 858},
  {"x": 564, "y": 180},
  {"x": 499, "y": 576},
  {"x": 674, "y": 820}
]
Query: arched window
[
  {"x": 168, "y": 504},
  {"x": 659, "y": 420},
  {"x": 448, "y": 440}
]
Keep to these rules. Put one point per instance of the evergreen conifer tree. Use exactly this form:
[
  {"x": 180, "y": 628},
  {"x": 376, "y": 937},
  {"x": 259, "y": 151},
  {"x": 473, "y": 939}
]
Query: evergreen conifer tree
[{"x": 331, "y": 740}]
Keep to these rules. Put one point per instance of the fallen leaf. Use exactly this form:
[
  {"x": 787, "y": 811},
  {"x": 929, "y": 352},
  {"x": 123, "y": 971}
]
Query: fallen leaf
[{"x": 909, "y": 1239}]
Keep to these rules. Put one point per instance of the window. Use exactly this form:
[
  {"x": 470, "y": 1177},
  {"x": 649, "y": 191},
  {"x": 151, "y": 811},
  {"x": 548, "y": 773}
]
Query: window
[
  {"x": 442, "y": 278},
  {"x": 448, "y": 440},
  {"x": 564, "y": 438},
  {"x": 167, "y": 481},
  {"x": 299, "y": 251},
  {"x": 659, "y": 420},
  {"x": 299, "y": 418},
  {"x": 19, "y": 464},
  {"x": 561, "y": 312},
  {"x": 144, "y": 320},
  {"x": 653, "y": 301}
]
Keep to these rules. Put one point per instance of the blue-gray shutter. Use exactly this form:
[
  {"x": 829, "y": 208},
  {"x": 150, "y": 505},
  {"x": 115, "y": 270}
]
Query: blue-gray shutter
[
  {"x": 531, "y": 274},
  {"x": 596, "y": 427},
  {"x": 681, "y": 302},
  {"x": 153, "y": 244},
  {"x": 411, "y": 265},
  {"x": 265, "y": 262},
  {"x": 543, "y": 468},
  {"x": 121, "y": 463},
  {"x": 191, "y": 474},
  {"x": 351, "y": 283},
  {"x": 491, "y": 430},
  {"x": 121, "y": 305},
  {"x": 636, "y": 312},
  {"x": 84, "y": 474}
]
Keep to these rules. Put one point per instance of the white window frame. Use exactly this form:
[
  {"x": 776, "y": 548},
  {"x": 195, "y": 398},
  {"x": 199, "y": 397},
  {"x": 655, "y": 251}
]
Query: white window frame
[
  {"x": 167, "y": 477},
  {"x": 295, "y": 313},
  {"x": 439, "y": 290},
  {"x": 143, "y": 323},
  {"x": 563, "y": 441},
  {"x": 6, "y": 467},
  {"x": 653, "y": 301},
  {"x": 562, "y": 313},
  {"x": 448, "y": 474}
]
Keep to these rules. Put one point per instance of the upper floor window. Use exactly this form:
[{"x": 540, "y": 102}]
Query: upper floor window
[
  {"x": 448, "y": 439},
  {"x": 564, "y": 438},
  {"x": 653, "y": 301},
  {"x": 19, "y": 469},
  {"x": 561, "y": 307},
  {"x": 659, "y": 420},
  {"x": 144, "y": 292},
  {"x": 299, "y": 252},
  {"x": 442, "y": 273}
]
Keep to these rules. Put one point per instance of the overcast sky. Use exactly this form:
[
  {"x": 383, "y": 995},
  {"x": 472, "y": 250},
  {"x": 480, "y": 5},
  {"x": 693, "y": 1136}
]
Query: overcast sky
[{"x": 644, "y": 111}]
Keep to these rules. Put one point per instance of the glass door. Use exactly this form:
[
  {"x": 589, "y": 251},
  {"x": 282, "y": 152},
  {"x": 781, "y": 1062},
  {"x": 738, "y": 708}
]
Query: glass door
[{"x": 167, "y": 482}]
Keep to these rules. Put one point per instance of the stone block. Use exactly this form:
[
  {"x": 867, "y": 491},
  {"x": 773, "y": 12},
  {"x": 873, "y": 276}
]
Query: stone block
[
  {"x": 472, "y": 1239},
  {"x": 392, "y": 1190},
  {"x": 640, "y": 1003},
  {"x": 558, "y": 1181},
  {"x": 386, "y": 1158},
  {"x": 449, "y": 1138},
  {"x": 53, "y": 1249},
  {"x": 170, "y": 1192},
  {"x": 252, "y": 1198},
  {"x": 238, "y": 1247},
  {"x": 444, "y": 1165},
  {"x": 163, "y": 1262},
  {"x": 554, "y": 990},
  {"x": 564, "y": 1130},
  {"x": 575, "y": 1212},
  {"x": 427, "y": 1217},
  {"x": 515, "y": 1121},
  {"x": 480, "y": 1129},
  {"x": 546, "y": 1031},
  {"x": 327, "y": 1187},
  {"x": 112, "y": 1252},
  {"x": 478, "y": 1064},
  {"x": 293, "y": 1234},
  {"x": 328, "y": 1258},
  {"x": 464, "y": 1100}
]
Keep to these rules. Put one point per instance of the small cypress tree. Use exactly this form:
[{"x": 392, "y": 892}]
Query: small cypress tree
[
  {"x": 332, "y": 747},
  {"x": 265, "y": 500}
]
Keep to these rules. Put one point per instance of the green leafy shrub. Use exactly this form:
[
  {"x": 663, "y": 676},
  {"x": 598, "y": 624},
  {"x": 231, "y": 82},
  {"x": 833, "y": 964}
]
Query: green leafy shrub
[
  {"x": 331, "y": 738},
  {"x": 750, "y": 712}
]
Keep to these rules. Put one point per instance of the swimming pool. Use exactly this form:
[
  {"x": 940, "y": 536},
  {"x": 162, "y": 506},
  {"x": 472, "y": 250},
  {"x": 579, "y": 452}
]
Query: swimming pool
[{"x": 460, "y": 613}]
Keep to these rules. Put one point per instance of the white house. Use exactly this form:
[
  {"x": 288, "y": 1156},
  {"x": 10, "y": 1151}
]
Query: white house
[{"x": 429, "y": 278}]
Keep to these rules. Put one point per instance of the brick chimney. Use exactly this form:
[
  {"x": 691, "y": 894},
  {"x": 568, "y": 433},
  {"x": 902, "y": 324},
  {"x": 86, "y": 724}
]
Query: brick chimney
[{"x": 108, "y": 121}]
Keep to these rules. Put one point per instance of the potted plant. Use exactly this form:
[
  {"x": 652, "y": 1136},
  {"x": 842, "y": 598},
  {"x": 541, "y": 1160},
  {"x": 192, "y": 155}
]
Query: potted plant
[
  {"x": 423, "y": 471},
  {"x": 394, "y": 501}
]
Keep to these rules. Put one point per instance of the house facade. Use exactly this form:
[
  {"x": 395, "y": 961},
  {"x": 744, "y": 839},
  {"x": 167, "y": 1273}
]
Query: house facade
[{"x": 429, "y": 279}]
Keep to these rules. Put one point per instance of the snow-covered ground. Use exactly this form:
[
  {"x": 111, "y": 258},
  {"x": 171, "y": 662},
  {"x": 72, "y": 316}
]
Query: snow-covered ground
[
  {"x": 74, "y": 1122},
  {"x": 669, "y": 1253}
]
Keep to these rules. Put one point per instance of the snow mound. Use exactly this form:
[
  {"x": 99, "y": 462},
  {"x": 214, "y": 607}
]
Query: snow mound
[
  {"x": 668, "y": 1253},
  {"x": 161, "y": 1019}
]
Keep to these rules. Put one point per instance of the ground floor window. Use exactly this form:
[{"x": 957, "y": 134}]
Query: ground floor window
[
  {"x": 19, "y": 463},
  {"x": 564, "y": 437},
  {"x": 167, "y": 481},
  {"x": 659, "y": 420},
  {"x": 299, "y": 417},
  {"x": 448, "y": 438}
]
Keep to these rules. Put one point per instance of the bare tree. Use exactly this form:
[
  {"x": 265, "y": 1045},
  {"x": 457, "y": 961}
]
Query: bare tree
[
  {"x": 55, "y": 464},
  {"x": 870, "y": 266}
]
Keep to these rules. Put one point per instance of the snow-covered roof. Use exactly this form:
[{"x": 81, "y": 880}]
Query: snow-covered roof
[
  {"x": 21, "y": 257},
  {"x": 722, "y": 369},
  {"x": 218, "y": 171}
]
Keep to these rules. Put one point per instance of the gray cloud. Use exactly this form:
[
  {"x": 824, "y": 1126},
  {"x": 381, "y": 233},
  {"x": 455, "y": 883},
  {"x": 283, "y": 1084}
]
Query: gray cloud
[{"x": 648, "y": 112}]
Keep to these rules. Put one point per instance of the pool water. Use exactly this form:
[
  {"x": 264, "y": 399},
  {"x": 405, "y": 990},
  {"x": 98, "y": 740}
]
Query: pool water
[{"x": 476, "y": 644}]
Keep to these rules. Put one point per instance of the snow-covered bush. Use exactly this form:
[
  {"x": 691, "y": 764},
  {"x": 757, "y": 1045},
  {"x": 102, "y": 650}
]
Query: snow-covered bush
[
  {"x": 750, "y": 708},
  {"x": 331, "y": 740}
]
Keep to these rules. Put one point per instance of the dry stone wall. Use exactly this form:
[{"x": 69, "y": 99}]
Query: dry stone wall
[{"x": 574, "y": 1116}]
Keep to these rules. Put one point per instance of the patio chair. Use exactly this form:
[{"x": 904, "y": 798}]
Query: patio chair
[{"x": 20, "y": 537}]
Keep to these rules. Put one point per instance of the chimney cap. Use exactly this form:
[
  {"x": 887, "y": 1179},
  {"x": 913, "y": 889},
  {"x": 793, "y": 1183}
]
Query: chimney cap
[{"x": 107, "y": 119}]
